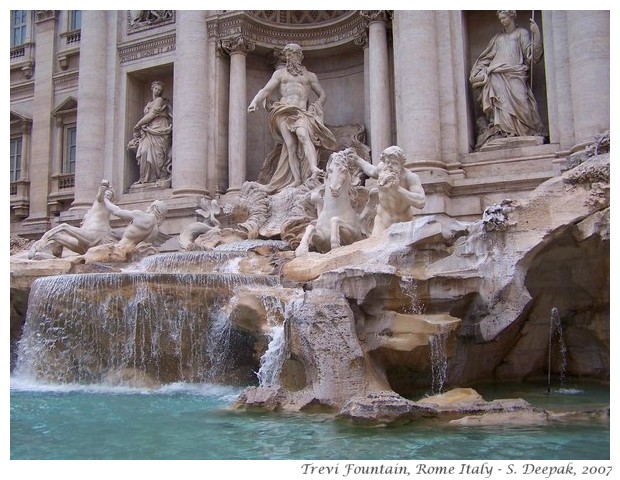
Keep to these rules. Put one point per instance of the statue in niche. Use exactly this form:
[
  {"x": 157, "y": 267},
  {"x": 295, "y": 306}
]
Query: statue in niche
[
  {"x": 296, "y": 124},
  {"x": 398, "y": 189},
  {"x": 152, "y": 139},
  {"x": 94, "y": 230},
  {"x": 502, "y": 74}
]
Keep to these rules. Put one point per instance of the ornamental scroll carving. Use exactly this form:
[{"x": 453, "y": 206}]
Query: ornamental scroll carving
[
  {"x": 238, "y": 44},
  {"x": 376, "y": 15}
]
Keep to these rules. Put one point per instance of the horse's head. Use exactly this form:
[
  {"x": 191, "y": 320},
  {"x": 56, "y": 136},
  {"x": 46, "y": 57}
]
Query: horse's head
[{"x": 338, "y": 173}]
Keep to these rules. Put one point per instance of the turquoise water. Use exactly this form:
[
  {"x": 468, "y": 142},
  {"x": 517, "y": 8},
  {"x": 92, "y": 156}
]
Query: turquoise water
[{"x": 184, "y": 421}]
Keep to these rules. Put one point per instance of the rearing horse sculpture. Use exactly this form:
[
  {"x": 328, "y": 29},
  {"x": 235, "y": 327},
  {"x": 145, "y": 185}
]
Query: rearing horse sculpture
[{"x": 337, "y": 223}]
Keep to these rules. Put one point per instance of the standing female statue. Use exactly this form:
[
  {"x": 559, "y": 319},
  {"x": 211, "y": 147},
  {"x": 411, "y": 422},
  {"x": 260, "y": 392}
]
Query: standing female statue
[
  {"x": 502, "y": 73},
  {"x": 152, "y": 138}
]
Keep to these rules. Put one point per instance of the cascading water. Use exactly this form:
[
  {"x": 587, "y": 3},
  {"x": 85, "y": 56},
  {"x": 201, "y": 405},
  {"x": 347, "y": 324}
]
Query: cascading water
[
  {"x": 219, "y": 343},
  {"x": 81, "y": 328},
  {"x": 439, "y": 361},
  {"x": 410, "y": 289},
  {"x": 555, "y": 330},
  {"x": 272, "y": 360},
  {"x": 437, "y": 342},
  {"x": 190, "y": 262}
]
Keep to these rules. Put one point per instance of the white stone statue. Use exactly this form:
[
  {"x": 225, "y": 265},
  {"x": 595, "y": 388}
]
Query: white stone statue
[
  {"x": 141, "y": 236},
  {"x": 148, "y": 17},
  {"x": 152, "y": 139},
  {"x": 502, "y": 73},
  {"x": 399, "y": 189},
  {"x": 94, "y": 230},
  {"x": 143, "y": 227},
  {"x": 495, "y": 217},
  {"x": 295, "y": 123},
  {"x": 209, "y": 208},
  {"x": 338, "y": 223}
]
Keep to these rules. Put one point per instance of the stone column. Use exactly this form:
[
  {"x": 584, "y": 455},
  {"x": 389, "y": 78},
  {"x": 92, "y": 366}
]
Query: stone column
[
  {"x": 191, "y": 117},
  {"x": 362, "y": 41},
  {"x": 237, "y": 48},
  {"x": 416, "y": 85},
  {"x": 560, "y": 111},
  {"x": 91, "y": 109},
  {"x": 588, "y": 47},
  {"x": 378, "y": 82},
  {"x": 40, "y": 161}
]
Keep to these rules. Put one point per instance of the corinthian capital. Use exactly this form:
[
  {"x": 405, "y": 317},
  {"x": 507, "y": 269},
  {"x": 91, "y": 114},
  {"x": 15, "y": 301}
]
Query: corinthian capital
[
  {"x": 238, "y": 44},
  {"x": 376, "y": 15}
]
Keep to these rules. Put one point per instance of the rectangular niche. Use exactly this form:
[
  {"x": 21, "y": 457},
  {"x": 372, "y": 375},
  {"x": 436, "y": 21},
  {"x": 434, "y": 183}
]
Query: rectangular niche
[
  {"x": 481, "y": 27},
  {"x": 139, "y": 94}
]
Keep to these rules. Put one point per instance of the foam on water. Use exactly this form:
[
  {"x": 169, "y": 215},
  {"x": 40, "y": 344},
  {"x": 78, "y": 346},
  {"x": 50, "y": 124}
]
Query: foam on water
[{"x": 224, "y": 392}]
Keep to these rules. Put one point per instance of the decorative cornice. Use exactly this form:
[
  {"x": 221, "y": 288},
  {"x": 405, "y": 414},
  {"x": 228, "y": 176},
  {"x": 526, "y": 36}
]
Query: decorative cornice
[
  {"x": 341, "y": 30},
  {"x": 297, "y": 17},
  {"x": 22, "y": 90},
  {"x": 238, "y": 44},
  {"x": 66, "y": 80},
  {"x": 22, "y": 122},
  {"x": 131, "y": 51}
]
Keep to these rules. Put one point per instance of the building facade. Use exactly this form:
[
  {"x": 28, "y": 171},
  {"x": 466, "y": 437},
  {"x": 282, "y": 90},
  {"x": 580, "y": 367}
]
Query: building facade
[{"x": 80, "y": 82}]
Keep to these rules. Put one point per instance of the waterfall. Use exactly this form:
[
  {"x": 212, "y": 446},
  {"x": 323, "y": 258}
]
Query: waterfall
[
  {"x": 82, "y": 328},
  {"x": 437, "y": 342},
  {"x": 272, "y": 360},
  {"x": 555, "y": 329},
  {"x": 439, "y": 361},
  {"x": 188, "y": 262},
  {"x": 409, "y": 288},
  {"x": 218, "y": 348}
]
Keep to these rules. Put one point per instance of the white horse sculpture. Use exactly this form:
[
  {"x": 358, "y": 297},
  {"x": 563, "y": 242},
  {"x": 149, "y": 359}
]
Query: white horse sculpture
[{"x": 337, "y": 223}]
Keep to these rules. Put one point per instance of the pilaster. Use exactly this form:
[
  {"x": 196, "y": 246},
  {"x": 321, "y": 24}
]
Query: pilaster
[{"x": 40, "y": 160}]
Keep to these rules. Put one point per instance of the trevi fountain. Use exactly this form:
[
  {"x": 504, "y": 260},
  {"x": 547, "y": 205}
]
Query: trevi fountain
[{"x": 292, "y": 319}]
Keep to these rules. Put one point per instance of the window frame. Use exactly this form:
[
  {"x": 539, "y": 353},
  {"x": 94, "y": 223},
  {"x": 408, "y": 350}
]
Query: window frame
[
  {"x": 72, "y": 23},
  {"x": 69, "y": 149},
  {"x": 22, "y": 27},
  {"x": 15, "y": 158}
]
